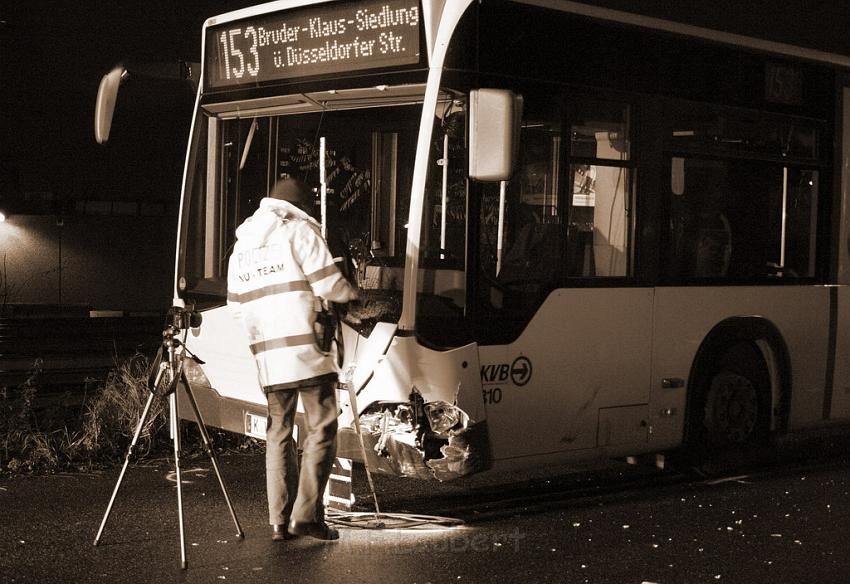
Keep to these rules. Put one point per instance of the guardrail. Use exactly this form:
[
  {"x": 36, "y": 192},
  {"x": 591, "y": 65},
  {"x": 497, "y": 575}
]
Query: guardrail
[{"x": 69, "y": 350}]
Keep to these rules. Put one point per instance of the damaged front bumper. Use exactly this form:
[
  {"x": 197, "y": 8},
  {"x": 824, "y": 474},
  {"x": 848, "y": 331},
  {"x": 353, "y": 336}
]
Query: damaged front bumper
[{"x": 424, "y": 441}]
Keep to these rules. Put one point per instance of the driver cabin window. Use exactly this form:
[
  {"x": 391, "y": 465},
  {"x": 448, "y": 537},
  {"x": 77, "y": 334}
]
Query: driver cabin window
[{"x": 521, "y": 227}]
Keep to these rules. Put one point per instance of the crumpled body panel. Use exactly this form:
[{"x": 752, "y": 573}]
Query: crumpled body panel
[{"x": 398, "y": 453}]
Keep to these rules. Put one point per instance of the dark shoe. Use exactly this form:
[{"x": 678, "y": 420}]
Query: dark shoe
[
  {"x": 279, "y": 533},
  {"x": 319, "y": 530}
]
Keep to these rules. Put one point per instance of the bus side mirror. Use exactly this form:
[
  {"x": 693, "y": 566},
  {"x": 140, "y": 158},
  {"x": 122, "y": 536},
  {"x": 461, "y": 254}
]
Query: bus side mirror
[
  {"x": 107, "y": 93},
  {"x": 495, "y": 119},
  {"x": 104, "y": 108}
]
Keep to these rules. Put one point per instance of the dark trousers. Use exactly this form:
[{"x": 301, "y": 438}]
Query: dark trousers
[{"x": 292, "y": 494}]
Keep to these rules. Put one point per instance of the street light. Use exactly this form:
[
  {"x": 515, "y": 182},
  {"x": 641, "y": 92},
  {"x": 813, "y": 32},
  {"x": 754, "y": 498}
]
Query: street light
[{"x": 2, "y": 216}]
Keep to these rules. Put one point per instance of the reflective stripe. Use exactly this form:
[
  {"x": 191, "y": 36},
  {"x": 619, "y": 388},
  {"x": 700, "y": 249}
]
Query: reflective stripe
[
  {"x": 297, "y": 286},
  {"x": 282, "y": 343},
  {"x": 322, "y": 273}
]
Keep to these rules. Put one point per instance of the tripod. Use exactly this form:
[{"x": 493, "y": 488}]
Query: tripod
[{"x": 168, "y": 376}]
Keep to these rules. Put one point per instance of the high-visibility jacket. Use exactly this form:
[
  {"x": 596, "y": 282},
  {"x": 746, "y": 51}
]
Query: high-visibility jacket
[{"x": 279, "y": 269}]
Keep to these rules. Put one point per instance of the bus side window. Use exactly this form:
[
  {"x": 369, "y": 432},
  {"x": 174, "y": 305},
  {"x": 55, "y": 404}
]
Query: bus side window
[
  {"x": 702, "y": 231},
  {"x": 599, "y": 196},
  {"x": 743, "y": 220},
  {"x": 743, "y": 195},
  {"x": 598, "y": 239}
]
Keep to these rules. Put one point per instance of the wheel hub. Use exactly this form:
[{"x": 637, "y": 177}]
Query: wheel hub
[{"x": 731, "y": 409}]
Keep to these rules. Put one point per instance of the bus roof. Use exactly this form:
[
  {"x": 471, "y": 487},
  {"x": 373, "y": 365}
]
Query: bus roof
[
  {"x": 259, "y": 9},
  {"x": 600, "y": 13},
  {"x": 709, "y": 34}
]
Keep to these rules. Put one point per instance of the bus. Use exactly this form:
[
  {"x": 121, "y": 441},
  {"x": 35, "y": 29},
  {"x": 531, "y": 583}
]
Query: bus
[{"x": 577, "y": 232}]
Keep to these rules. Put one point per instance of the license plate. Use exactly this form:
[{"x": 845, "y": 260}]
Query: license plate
[{"x": 255, "y": 425}]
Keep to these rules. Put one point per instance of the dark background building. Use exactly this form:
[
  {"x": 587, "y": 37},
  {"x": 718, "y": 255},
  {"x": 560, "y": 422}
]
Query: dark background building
[{"x": 92, "y": 225}]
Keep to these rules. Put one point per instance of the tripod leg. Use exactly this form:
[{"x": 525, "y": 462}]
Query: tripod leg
[
  {"x": 175, "y": 437},
  {"x": 210, "y": 452},
  {"x": 136, "y": 435}
]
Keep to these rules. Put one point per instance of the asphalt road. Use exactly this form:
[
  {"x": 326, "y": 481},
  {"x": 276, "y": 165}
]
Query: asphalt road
[{"x": 785, "y": 520}]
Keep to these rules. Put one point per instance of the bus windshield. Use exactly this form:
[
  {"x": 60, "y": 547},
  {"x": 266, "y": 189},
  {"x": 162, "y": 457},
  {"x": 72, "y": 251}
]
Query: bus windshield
[{"x": 368, "y": 154}]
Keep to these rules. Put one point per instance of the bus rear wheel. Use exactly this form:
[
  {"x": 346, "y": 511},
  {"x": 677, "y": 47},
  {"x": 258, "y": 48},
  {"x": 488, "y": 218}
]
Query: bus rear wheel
[
  {"x": 731, "y": 410},
  {"x": 732, "y": 406}
]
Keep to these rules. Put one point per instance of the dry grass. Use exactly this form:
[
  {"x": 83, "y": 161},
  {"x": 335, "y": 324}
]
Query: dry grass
[
  {"x": 27, "y": 443},
  {"x": 67, "y": 435},
  {"x": 110, "y": 419}
]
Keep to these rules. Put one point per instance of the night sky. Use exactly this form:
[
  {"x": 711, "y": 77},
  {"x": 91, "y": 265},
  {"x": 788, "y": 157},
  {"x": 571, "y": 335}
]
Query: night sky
[{"x": 52, "y": 57}]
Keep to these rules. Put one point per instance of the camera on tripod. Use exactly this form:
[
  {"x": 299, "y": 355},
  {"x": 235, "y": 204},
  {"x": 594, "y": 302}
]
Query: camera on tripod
[
  {"x": 180, "y": 318},
  {"x": 177, "y": 320}
]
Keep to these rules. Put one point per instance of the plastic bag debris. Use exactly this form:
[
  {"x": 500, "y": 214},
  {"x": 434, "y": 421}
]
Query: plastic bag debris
[
  {"x": 445, "y": 418},
  {"x": 433, "y": 440},
  {"x": 466, "y": 452}
]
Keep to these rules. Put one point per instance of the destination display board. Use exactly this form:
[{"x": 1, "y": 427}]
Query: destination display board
[{"x": 315, "y": 40}]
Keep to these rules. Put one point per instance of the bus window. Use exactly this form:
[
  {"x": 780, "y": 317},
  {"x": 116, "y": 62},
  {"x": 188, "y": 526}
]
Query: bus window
[
  {"x": 227, "y": 186},
  {"x": 744, "y": 220},
  {"x": 521, "y": 226},
  {"x": 202, "y": 230},
  {"x": 599, "y": 220},
  {"x": 744, "y": 195},
  {"x": 244, "y": 148},
  {"x": 797, "y": 251},
  {"x": 441, "y": 312},
  {"x": 599, "y": 201},
  {"x": 556, "y": 223},
  {"x": 368, "y": 156},
  {"x": 529, "y": 264}
]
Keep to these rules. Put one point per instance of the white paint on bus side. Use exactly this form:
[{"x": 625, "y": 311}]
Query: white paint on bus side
[
  {"x": 585, "y": 377},
  {"x": 451, "y": 376},
  {"x": 684, "y": 316},
  {"x": 600, "y": 357},
  {"x": 590, "y": 349},
  {"x": 222, "y": 343}
]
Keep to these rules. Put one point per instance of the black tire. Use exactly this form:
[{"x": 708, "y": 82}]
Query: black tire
[{"x": 732, "y": 403}]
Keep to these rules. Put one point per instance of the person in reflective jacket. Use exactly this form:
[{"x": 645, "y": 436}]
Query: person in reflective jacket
[{"x": 278, "y": 273}]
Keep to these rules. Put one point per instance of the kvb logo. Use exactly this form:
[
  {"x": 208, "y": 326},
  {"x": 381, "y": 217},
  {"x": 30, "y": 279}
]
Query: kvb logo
[
  {"x": 518, "y": 372},
  {"x": 497, "y": 373}
]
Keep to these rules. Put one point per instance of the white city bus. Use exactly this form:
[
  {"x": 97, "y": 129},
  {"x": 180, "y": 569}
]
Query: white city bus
[{"x": 577, "y": 232}]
